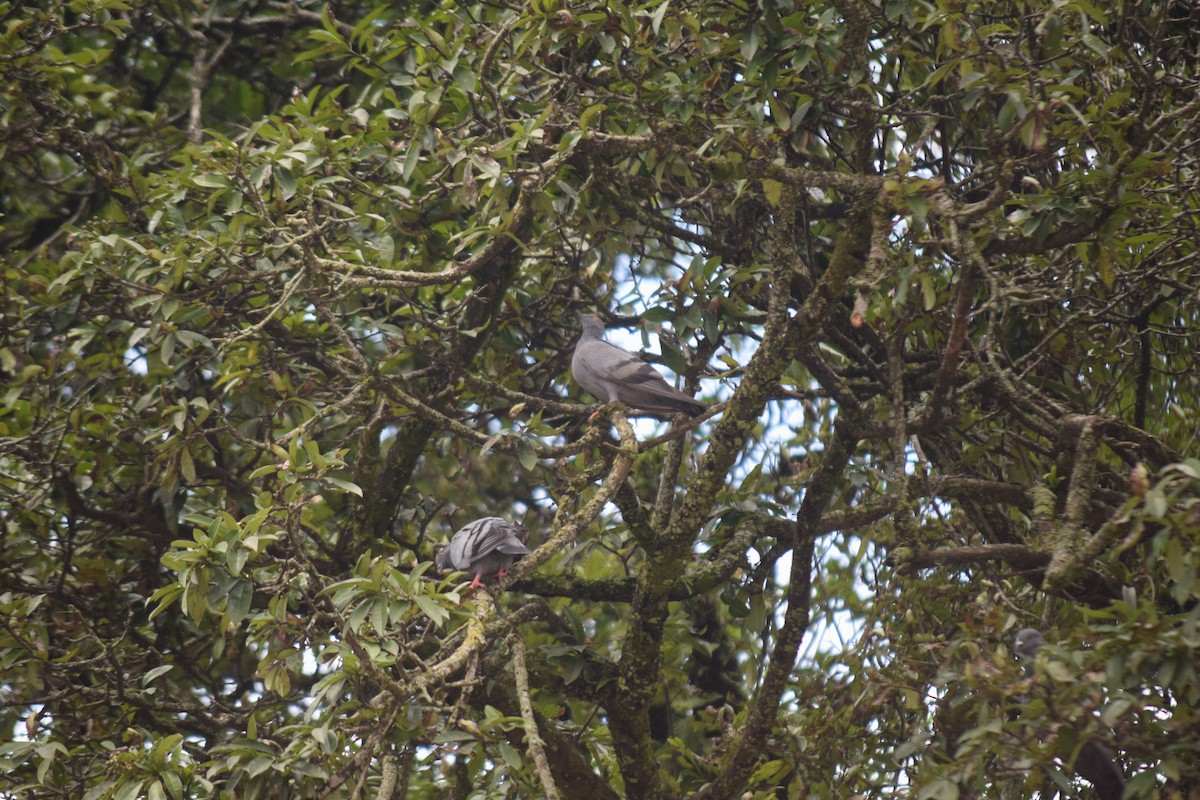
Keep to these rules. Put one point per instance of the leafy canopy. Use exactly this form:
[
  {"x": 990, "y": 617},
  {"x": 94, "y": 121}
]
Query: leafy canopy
[{"x": 289, "y": 295}]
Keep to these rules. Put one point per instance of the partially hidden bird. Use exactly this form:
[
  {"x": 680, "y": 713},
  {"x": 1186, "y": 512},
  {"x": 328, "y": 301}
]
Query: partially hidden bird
[
  {"x": 485, "y": 548},
  {"x": 1095, "y": 762},
  {"x": 1026, "y": 645},
  {"x": 611, "y": 374}
]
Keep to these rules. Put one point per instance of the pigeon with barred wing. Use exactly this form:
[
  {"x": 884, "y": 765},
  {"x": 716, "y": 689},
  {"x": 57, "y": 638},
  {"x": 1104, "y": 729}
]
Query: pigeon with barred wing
[{"x": 484, "y": 548}]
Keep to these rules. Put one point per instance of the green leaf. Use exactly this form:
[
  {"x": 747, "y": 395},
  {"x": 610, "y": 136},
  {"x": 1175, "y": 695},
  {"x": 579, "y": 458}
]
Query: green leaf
[
  {"x": 174, "y": 784},
  {"x": 212, "y": 180},
  {"x": 527, "y": 457},
  {"x": 491, "y": 442},
  {"x": 241, "y": 594},
  {"x": 432, "y": 610},
  {"x": 772, "y": 190},
  {"x": 510, "y": 755},
  {"x": 129, "y": 790},
  {"x": 187, "y": 467},
  {"x": 928, "y": 291},
  {"x": 657, "y": 17},
  {"x": 941, "y": 789},
  {"x": 344, "y": 485},
  {"x": 167, "y": 348},
  {"x": 286, "y": 182},
  {"x": 161, "y": 669},
  {"x": 593, "y": 111},
  {"x": 1113, "y": 712}
]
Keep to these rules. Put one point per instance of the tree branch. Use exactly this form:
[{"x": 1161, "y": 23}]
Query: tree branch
[
  {"x": 533, "y": 739},
  {"x": 764, "y": 708},
  {"x": 1017, "y": 555},
  {"x": 1067, "y": 539}
]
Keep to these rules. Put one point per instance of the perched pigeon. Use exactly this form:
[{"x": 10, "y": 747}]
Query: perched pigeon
[
  {"x": 611, "y": 374},
  {"x": 1026, "y": 645},
  {"x": 1095, "y": 762},
  {"x": 485, "y": 548}
]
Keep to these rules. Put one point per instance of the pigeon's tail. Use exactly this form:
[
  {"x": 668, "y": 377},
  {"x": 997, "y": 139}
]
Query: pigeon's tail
[
  {"x": 691, "y": 407},
  {"x": 653, "y": 398},
  {"x": 1096, "y": 765},
  {"x": 647, "y": 390}
]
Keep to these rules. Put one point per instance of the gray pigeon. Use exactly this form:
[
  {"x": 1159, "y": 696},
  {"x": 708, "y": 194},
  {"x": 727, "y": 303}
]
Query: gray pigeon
[
  {"x": 611, "y": 374},
  {"x": 1095, "y": 762},
  {"x": 1026, "y": 645},
  {"x": 485, "y": 548}
]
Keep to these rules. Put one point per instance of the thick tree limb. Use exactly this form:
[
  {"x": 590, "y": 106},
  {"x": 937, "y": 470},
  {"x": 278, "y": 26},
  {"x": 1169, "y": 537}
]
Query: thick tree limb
[
  {"x": 1016, "y": 555},
  {"x": 764, "y": 707},
  {"x": 954, "y": 343},
  {"x": 641, "y": 657},
  {"x": 493, "y": 267}
]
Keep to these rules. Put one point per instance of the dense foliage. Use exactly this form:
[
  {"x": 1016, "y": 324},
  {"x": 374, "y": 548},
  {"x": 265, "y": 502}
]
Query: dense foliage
[{"x": 289, "y": 297}]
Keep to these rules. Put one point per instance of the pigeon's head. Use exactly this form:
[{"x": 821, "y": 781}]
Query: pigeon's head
[
  {"x": 1028, "y": 642},
  {"x": 441, "y": 559},
  {"x": 591, "y": 324}
]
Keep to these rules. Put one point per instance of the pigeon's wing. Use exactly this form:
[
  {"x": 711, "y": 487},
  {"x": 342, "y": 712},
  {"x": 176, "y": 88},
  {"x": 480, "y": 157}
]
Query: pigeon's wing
[
  {"x": 465, "y": 544},
  {"x": 603, "y": 369},
  {"x": 502, "y": 557},
  {"x": 480, "y": 538},
  {"x": 610, "y": 373}
]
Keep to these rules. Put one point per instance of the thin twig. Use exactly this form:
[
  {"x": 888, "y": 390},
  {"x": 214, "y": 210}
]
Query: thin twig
[{"x": 288, "y": 291}]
